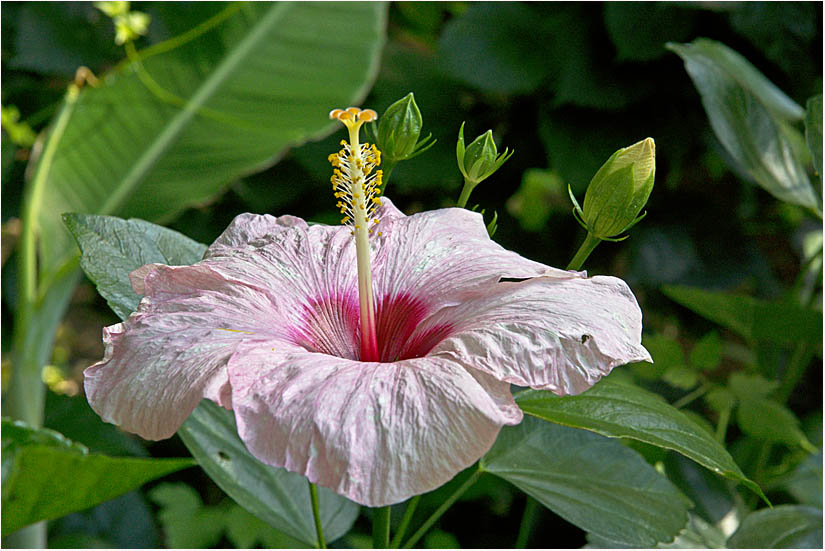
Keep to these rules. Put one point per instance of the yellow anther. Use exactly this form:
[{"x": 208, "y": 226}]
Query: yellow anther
[
  {"x": 367, "y": 115},
  {"x": 353, "y": 110}
]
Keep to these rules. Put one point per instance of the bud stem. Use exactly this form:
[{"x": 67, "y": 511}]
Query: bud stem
[
  {"x": 465, "y": 194},
  {"x": 584, "y": 251}
]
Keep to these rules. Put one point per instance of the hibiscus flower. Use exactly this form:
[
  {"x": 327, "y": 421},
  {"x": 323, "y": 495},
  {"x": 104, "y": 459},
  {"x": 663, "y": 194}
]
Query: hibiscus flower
[{"x": 269, "y": 325}]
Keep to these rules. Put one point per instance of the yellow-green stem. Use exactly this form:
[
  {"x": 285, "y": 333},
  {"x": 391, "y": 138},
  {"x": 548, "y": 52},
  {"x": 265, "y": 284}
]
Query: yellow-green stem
[
  {"x": 443, "y": 508},
  {"x": 584, "y": 251},
  {"x": 316, "y": 516},
  {"x": 465, "y": 194},
  {"x": 405, "y": 522}
]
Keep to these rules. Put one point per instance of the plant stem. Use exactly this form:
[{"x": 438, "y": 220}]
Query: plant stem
[
  {"x": 316, "y": 515},
  {"x": 465, "y": 194},
  {"x": 442, "y": 509},
  {"x": 794, "y": 370},
  {"x": 688, "y": 398},
  {"x": 722, "y": 425},
  {"x": 405, "y": 522},
  {"x": 526, "y": 523},
  {"x": 381, "y": 528},
  {"x": 584, "y": 251}
]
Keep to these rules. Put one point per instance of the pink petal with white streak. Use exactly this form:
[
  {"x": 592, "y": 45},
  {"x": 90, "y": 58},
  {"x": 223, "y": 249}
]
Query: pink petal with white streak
[{"x": 377, "y": 433}]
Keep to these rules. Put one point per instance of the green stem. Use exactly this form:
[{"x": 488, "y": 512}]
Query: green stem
[
  {"x": 527, "y": 520},
  {"x": 465, "y": 194},
  {"x": 584, "y": 251},
  {"x": 405, "y": 522},
  {"x": 722, "y": 425},
  {"x": 316, "y": 515},
  {"x": 381, "y": 528},
  {"x": 688, "y": 398},
  {"x": 442, "y": 509},
  {"x": 794, "y": 370}
]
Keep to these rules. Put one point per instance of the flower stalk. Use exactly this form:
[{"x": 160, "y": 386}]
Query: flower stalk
[{"x": 316, "y": 516}]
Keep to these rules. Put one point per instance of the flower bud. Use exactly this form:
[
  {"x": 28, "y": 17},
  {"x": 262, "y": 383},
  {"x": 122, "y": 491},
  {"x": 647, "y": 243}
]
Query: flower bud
[
  {"x": 480, "y": 159},
  {"x": 398, "y": 131},
  {"x": 619, "y": 190}
]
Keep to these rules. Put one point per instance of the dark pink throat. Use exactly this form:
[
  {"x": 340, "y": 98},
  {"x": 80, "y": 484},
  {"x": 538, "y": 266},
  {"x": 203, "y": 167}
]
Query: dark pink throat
[{"x": 330, "y": 325}]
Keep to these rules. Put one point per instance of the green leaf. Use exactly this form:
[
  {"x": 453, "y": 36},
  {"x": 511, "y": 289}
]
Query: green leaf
[
  {"x": 593, "y": 482},
  {"x": 46, "y": 476},
  {"x": 244, "y": 530},
  {"x": 112, "y": 248},
  {"x": 805, "y": 482},
  {"x": 747, "y": 387},
  {"x": 681, "y": 377},
  {"x": 785, "y": 526},
  {"x": 276, "y": 496},
  {"x": 639, "y": 30},
  {"x": 666, "y": 353},
  {"x": 259, "y": 81},
  {"x": 813, "y": 131},
  {"x": 750, "y": 117},
  {"x": 478, "y": 49},
  {"x": 186, "y": 522},
  {"x": 769, "y": 420},
  {"x": 626, "y": 411},
  {"x": 707, "y": 352},
  {"x": 751, "y": 318}
]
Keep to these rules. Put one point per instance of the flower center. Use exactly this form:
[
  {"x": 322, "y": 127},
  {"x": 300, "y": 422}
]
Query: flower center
[{"x": 357, "y": 187}]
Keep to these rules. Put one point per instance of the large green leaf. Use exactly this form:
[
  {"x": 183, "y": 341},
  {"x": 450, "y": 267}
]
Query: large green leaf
[
  {"x": 786, "y": 526},
  {"x": 112, "y": 248},
  {"x": 594, "y": 482},
  {"x": 751, "y": 318},
  {"x": 46, "y": 476},
  {"x": 259, "y": 81},
  {"x": 750, "y": 117},
  {"x": 626, "y": 411},
  {"x": 276, "y": 496}
]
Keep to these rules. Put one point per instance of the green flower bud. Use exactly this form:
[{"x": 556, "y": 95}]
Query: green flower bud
[
  {"x": 398, "y": 131},
  {"x": 480, "y": 159},
  {"x": 619, "y": 191}
]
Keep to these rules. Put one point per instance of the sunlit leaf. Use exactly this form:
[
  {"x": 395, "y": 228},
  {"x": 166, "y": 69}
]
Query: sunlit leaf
[
  {"x": 46, "y": 476},
  {"x": 260, "y": 80},
  {"x": 593, "y": 482},
  {"x": 750, "y": 117}
]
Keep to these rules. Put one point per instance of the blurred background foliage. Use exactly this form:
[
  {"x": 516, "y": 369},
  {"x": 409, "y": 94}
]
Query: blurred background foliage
[{"x": 564, "y": 85}]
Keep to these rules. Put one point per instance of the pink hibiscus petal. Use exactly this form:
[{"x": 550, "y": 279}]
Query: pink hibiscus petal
[
  {"x": 443, "y": 255},
  {"x": 547, "y": 333},
  {"x": 377, "y": 433},
  {"x": 172, "y": 352}
]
